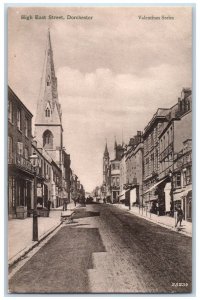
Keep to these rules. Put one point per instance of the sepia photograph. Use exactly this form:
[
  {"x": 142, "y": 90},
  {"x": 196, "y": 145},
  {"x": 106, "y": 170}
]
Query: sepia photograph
[{"x": 99, "y": 149}]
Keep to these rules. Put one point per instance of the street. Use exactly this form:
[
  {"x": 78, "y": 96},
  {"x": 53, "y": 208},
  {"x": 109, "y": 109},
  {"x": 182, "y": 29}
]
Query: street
[{"x": 108, "y": 250}]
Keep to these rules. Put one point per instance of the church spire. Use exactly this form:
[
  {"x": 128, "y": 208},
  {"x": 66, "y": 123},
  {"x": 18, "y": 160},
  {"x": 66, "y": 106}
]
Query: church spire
[
  {"x": 106, "y": 153},
  {"x": 48, "y": 108},
  {"x": 115, "y": 147}
]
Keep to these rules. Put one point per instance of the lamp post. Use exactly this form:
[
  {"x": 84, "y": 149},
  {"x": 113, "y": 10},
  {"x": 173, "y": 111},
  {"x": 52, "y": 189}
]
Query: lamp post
[
  {"x": 172, "y": 200},
  {"x": 34, "y": 162}
]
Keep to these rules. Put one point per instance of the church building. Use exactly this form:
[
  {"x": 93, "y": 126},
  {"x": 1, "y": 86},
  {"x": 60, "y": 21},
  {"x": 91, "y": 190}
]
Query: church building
[{"x": 48, "y": 124}]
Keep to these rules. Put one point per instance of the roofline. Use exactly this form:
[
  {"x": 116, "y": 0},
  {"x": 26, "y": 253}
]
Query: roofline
[
  {"x": 154, "y": 119},
  {"x": 12, "y": 92}
]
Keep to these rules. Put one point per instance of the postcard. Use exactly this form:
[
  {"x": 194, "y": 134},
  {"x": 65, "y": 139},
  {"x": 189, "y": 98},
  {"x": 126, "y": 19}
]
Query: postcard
[{"x": 100, "y": 149}]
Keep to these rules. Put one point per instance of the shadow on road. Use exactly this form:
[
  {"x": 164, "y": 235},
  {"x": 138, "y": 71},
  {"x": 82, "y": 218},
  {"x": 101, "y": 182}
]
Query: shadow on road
[
  {"x": 61, "y": 265},
  {"x": 79, "y": 213}
]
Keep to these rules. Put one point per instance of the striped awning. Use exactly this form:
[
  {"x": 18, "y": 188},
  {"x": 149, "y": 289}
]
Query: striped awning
[{"x": 154, "y": 186}]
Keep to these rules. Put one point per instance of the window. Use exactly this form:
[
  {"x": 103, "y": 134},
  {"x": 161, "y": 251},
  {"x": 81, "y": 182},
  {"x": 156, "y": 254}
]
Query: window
[
  {"x": 47, "y": 112},
  {"x": 168, "y": 138},
  {"x": 19, "y": 120},
  {"x": 164, "y": 142},
  {"x": 26, "y": 127},
  {"x": 178, "y": 180},
  {"x": 152, "y": 139},
  {"x": 26, "y": 153},
  {"x": 47, "y": 139},
  {"x": 187, "y": 176},
  {"x": 152, "y": 162},
  {"x": 10, "y": 111},
  {"x": 20, "y": 148},
  {"x": 156, "y": 160},
  {"x": 147, "y": 166},
  {"x": 10, "y": 149}
]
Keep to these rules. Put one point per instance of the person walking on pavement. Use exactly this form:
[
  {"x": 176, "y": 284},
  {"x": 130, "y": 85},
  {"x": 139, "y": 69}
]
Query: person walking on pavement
[
  {"x": 49, "y": 205},
  {"x": 179, "y": 215}
]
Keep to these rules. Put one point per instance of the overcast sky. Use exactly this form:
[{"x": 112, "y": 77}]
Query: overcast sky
[{"x": 113, "y": 72}]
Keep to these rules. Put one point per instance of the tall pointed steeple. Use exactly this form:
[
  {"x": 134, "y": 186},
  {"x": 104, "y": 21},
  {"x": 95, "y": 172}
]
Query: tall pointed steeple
[
  {"x": 106, "y": 160},
  {"x": 106, "y": 153},
  {"x": 48, "y": 108},
  {"x": 48, "y": 121}
]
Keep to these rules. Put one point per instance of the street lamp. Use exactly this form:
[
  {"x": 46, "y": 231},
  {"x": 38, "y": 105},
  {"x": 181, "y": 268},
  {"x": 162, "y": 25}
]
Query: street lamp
[
  {"x": 172, "y": 200},
  {"x": 34, "y": 162}
]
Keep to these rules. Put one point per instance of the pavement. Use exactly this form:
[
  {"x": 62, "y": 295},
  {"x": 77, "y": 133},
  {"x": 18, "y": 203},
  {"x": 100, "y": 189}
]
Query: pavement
[
  {"x": 20, "y": 232},
  {"x": 164, "y": 221}
]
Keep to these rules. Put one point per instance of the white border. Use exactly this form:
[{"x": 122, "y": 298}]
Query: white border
[{"x": 3, "y": 164}]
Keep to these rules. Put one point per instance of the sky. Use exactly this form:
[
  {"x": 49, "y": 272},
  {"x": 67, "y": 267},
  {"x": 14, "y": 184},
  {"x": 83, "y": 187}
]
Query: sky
[{"x": 113, "y": 72}]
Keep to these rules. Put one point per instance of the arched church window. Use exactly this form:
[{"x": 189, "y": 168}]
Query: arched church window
[
  {"x": 48, "y": 139},
  {"x": 47, "y": 112}
]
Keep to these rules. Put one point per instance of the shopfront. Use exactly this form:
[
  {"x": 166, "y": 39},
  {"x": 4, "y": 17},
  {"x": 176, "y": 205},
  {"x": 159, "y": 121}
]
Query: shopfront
[
  {"x": 187, "y": 204},
  {"x": 19, "y": 195},
  {"x": 184, "y": 199}
]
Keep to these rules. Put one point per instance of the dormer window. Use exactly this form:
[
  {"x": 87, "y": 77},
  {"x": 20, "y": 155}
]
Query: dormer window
[{"x": 47, "y": 112}]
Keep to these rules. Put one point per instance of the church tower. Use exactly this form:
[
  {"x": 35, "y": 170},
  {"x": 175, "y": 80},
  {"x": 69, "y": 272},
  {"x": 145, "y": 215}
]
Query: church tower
[
  {"x": 106, "y": 160},
  {"x": 119, "y": 150},
  {"x": 48, "y": 122}
]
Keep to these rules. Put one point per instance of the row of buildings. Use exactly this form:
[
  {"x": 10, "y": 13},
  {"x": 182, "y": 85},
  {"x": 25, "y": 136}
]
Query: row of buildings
[
  {"x": 154, "y": 170},
  {"x": 56, "y": 182}
]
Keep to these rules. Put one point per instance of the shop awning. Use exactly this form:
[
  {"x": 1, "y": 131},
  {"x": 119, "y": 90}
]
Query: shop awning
[
  {"x": 151, "y": 200},
  {"x": 154, "y": 186},
  {"x": 122, "y": 194},
  {"x": 185, "y": 193},
  {"x": 177, "y": 196}
]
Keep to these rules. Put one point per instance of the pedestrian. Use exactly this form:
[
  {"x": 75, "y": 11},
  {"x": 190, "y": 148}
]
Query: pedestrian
[
  {"x": 49, "y": 204},
  {"x": 75, "y": 202},
  {"x": 65, "y": 203},
  {"x": 179, "y": 215}
]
